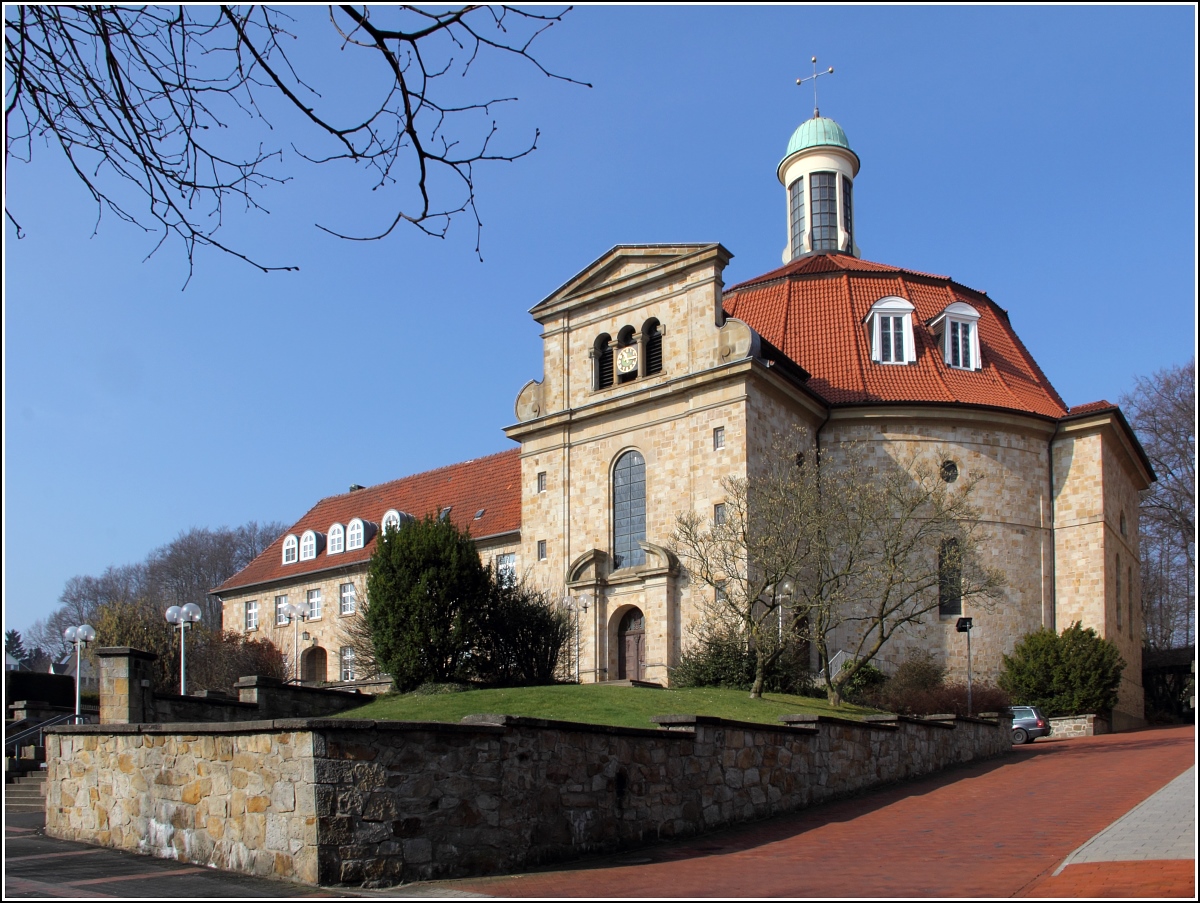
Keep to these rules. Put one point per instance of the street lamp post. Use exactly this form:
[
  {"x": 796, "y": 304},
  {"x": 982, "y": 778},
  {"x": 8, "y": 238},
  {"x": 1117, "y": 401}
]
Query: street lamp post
[
  {"x": 188, "y": 614},
  {"x": 296, "y": 614},
  {"x": 79, "y": 636},
  {"x": 964, "y": 626}
]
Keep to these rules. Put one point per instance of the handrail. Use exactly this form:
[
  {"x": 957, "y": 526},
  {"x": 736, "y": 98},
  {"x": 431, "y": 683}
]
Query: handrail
[{"x": 15, "y": 742}]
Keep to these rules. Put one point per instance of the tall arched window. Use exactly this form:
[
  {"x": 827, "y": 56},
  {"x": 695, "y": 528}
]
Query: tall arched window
[
  {"x": 629, "y": 510},
  {"x": 602, "y": 356},
  {"x": 796, "y": 207},
  {"x": 950, "y": 578}
]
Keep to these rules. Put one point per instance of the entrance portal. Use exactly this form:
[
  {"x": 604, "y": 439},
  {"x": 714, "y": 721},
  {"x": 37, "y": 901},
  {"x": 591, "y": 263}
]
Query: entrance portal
[
  {"x": 313, "y": 665},
  {"x": 631, "y": 646}
]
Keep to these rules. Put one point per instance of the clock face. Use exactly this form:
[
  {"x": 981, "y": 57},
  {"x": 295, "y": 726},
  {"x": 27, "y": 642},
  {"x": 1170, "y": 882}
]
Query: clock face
[{"x": 627, "y": 359}]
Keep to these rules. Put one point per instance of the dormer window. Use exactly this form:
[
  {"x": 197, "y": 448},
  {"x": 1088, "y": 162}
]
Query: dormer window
[
  {"x": 311, "y": 542},
  {"x": 337, "y": 539},
  {"x": 291, "y": 550},
  {"x": 355, "y": 534},
  {"x": 391, "y": 520},
  {"x": 957, "y": 328},
  {"x": 891, "y": 331}
]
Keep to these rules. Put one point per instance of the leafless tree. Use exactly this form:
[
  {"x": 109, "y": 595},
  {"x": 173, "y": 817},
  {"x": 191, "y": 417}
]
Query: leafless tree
[
  {"x": 166, "y": 114},
  {"x": 836, "y": 546},
  {"x": 1162, "y": 410}
]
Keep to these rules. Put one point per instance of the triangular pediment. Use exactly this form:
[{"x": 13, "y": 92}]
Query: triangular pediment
[{"x": 623, "y": 267}]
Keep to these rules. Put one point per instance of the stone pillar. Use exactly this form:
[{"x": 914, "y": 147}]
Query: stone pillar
[{"x": 126, "y": 685}]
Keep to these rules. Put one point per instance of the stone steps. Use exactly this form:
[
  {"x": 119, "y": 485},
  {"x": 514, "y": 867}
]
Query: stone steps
[{"x": 26, "y": 793}]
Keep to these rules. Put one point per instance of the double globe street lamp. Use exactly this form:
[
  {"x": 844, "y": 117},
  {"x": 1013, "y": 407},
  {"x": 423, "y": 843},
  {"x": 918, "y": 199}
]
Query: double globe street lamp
[
  {"x": 188, "y": 614},
  {"x": 80, "y": 637}
]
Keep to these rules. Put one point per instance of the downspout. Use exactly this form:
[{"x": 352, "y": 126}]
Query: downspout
[
  {"x": 814, "y": 659},
  {"x": 1050, "y": 606}
]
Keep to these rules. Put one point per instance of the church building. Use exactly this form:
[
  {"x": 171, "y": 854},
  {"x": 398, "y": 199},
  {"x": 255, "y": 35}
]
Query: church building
[{"x": 658, "y": 381}]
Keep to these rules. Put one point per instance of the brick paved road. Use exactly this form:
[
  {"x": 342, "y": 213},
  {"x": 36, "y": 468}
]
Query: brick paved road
[{"x": 1000, "y": 829}]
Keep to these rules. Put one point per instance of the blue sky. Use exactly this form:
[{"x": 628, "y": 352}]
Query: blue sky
[{"x": 1043, "y": 154}]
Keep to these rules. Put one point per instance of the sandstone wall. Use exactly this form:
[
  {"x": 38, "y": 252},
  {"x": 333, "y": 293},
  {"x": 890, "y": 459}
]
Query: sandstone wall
[{"x": 328, "y": 801}]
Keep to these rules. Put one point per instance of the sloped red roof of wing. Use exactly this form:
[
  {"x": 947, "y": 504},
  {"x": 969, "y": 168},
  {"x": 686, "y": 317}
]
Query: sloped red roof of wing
[
  {"x": 813, "y": 311},
  {"x": 491, "y": 484}
]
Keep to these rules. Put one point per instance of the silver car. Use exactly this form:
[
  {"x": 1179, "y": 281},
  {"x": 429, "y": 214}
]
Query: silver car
[{"x": 1028, "y": 724}]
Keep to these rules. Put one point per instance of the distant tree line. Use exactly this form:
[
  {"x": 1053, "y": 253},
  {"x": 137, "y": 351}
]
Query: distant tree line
[{"x": 126, "y": 605}]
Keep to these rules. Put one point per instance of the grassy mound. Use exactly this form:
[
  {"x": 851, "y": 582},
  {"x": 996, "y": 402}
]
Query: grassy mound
[{"x": 597, "y": 704}]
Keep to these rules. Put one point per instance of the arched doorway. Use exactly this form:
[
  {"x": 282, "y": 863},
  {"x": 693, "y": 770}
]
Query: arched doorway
[
  {"x": 631, "y": 646},
  {"x": 313, "y": 665}
]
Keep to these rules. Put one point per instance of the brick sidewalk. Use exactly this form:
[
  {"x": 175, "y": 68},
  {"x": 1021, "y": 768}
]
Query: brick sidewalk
[{"x": 999, "y": 829}]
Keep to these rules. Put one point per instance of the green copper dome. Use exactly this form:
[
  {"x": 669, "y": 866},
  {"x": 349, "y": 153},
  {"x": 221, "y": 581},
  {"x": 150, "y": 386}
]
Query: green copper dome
[{"x": 817, "y": 132}]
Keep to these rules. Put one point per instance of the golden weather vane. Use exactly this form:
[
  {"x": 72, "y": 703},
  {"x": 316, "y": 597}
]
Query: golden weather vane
[{"x": 813, "y": 78}]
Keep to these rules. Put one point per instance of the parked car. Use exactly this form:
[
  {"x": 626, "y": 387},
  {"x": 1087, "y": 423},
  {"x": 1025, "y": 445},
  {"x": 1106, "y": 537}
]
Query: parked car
[{"x": 1028, "y": 724}]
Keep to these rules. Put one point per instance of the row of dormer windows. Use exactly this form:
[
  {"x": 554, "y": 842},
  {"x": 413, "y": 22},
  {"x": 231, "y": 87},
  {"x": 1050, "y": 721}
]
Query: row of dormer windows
[
  {"x": 890, "y": 325},
  {"x": 339, "y": 538}
]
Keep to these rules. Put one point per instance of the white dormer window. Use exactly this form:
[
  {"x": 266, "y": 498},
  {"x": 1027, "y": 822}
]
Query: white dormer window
[
  {"x": 355, "y": 534},
  {"x": 291, "y": 546},
  {"x": 391, "y": 520},
  {"x": 891, "y": 331},
  {"x": 337, "y": 539},
  {"x": 311, "y": 542},
  {"x": 957, "y": 328}
]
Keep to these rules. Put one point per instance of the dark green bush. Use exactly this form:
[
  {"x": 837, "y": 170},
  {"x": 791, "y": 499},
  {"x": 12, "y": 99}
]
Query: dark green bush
[
  {"x": 518, "y": 636},
  {"x": 723, "y": 658},
  {"x": 864, "y": 683},
  {"x": 1072, "y": 673}
]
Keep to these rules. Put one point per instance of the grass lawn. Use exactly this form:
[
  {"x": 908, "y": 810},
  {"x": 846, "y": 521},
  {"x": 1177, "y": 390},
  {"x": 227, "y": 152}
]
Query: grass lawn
[{"x": 596, "y": 704}]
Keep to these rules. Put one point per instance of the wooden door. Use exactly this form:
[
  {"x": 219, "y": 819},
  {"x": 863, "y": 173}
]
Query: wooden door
[
  {"x": 313, "y": 665},
  {"x": 631, "y": 646}
]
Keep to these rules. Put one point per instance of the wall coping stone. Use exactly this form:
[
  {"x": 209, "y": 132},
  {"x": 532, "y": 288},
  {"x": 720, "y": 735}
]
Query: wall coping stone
[
  {"x": 256, "y": 681},
  {"x": 125, "y": 651},
  {"x": 544, "y": 723},
  {"x": 668, "y": 721}
]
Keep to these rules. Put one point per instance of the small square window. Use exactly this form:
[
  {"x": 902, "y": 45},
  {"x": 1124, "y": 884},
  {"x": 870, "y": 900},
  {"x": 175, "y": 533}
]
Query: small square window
[
  {"x": 541, "y": 481},
  {"x": 541, "y": 550},
  {"x": 719, "y": 514},
  {"x": 718, "y": 438}
]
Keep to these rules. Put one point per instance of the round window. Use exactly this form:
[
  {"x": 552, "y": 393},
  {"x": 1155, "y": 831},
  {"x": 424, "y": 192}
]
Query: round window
[{"x": 949, "y": 471}]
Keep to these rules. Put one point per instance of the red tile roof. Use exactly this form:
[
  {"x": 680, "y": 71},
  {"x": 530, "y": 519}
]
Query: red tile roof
[
  {"x": 813, "y": 309},
  {"x": 1092, "y": 407},
  {"x": 491, "y": 484}
]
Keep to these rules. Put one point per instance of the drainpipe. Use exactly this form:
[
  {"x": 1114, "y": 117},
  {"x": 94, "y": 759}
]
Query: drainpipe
[{"x": 1050, "y": 612}]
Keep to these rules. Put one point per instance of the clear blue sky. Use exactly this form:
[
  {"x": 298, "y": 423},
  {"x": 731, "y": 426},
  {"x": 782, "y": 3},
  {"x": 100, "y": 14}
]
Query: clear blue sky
[{"x": 1043, "y": 154}]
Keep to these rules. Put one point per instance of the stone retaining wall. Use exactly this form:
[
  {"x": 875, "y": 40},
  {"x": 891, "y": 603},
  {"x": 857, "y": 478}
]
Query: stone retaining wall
[
  {"x": 1068, "y": 727},
  {"x": 327, "y": 801}
]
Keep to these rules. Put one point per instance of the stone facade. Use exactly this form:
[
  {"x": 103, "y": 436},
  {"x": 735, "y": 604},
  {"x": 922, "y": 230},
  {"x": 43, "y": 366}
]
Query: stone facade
[
  {"x": 1070, "y": 727},
  {"x": 348, "y": 802}
]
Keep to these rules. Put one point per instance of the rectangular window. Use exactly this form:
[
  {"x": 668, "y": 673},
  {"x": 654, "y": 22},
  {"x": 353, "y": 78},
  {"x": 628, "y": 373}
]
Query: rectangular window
[
  {"x": 721, "y": 593},
  {"x": 541, "y": 550},
  {"x": 252, "y": 615},
  {"x": 796, "y": 197},
  {"x": 349, "y": 599},
  {"x": 1118, "y": 592},
  {"x": 280, "y": 615},
  {"x": 337, "y": 541},
  {"x": 824, "y": 211},
  {"x": 960, "y": 345},
  {"x": 718, "y": 438},
  {"x": 347, "y": 656},
  {"x": 719, "y": 514},
  {"x": 314, "y": 603},
  {"x": 541, "y": 481},
  {"x": 506, "y": 568},
  {"x": 891, "y": 339},
  {"x": 847, "y": 220}
]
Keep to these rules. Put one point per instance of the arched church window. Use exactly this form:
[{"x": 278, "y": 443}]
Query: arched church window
[
  {"x": 950, "y": 578},
  {"x": 652, "y": 342},
  {"x": 629, "y": 510},
  {"x": 602, "y": 357},
  {"x": 824, "y": 211},
  {"x": 796, "y": 209}
]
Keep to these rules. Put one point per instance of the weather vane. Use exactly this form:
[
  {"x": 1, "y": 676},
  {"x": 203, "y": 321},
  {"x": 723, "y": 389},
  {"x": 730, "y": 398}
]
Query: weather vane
[{"x": 813, "y": 78}]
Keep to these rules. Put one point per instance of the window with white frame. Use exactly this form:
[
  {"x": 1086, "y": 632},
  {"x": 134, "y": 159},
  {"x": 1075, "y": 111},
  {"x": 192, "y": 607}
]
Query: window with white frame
[
  {"x": 281, "y": 616},
  {"x": 252, "y": 615},
  {"x": 957, "y": 328},
  {"x": 354, "y": 534},
  {"x": 541, "y": 550},
  {"x": 291, "y": 548},
  {"x": 541, "y": 481},
  {"x": 891, "y": 331},
  {"x": 718, "y": 438},
  {"x": 349, "y": 599},
  {"x": 347, "y": 656},
  {"x": 506, "y": 568},
  {"x": 337, "y": 539},
  {"x": 310, "y": 544},
  {"x": 391, "y": 520},
  {"x": 314, "y": 604}
]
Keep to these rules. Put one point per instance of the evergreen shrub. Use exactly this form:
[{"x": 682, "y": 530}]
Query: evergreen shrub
[{"x": 1072, "y": 673}]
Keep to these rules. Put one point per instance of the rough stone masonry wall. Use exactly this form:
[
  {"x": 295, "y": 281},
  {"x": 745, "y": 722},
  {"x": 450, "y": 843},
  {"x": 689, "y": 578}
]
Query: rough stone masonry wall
[{"x": 330, "y": 801}]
